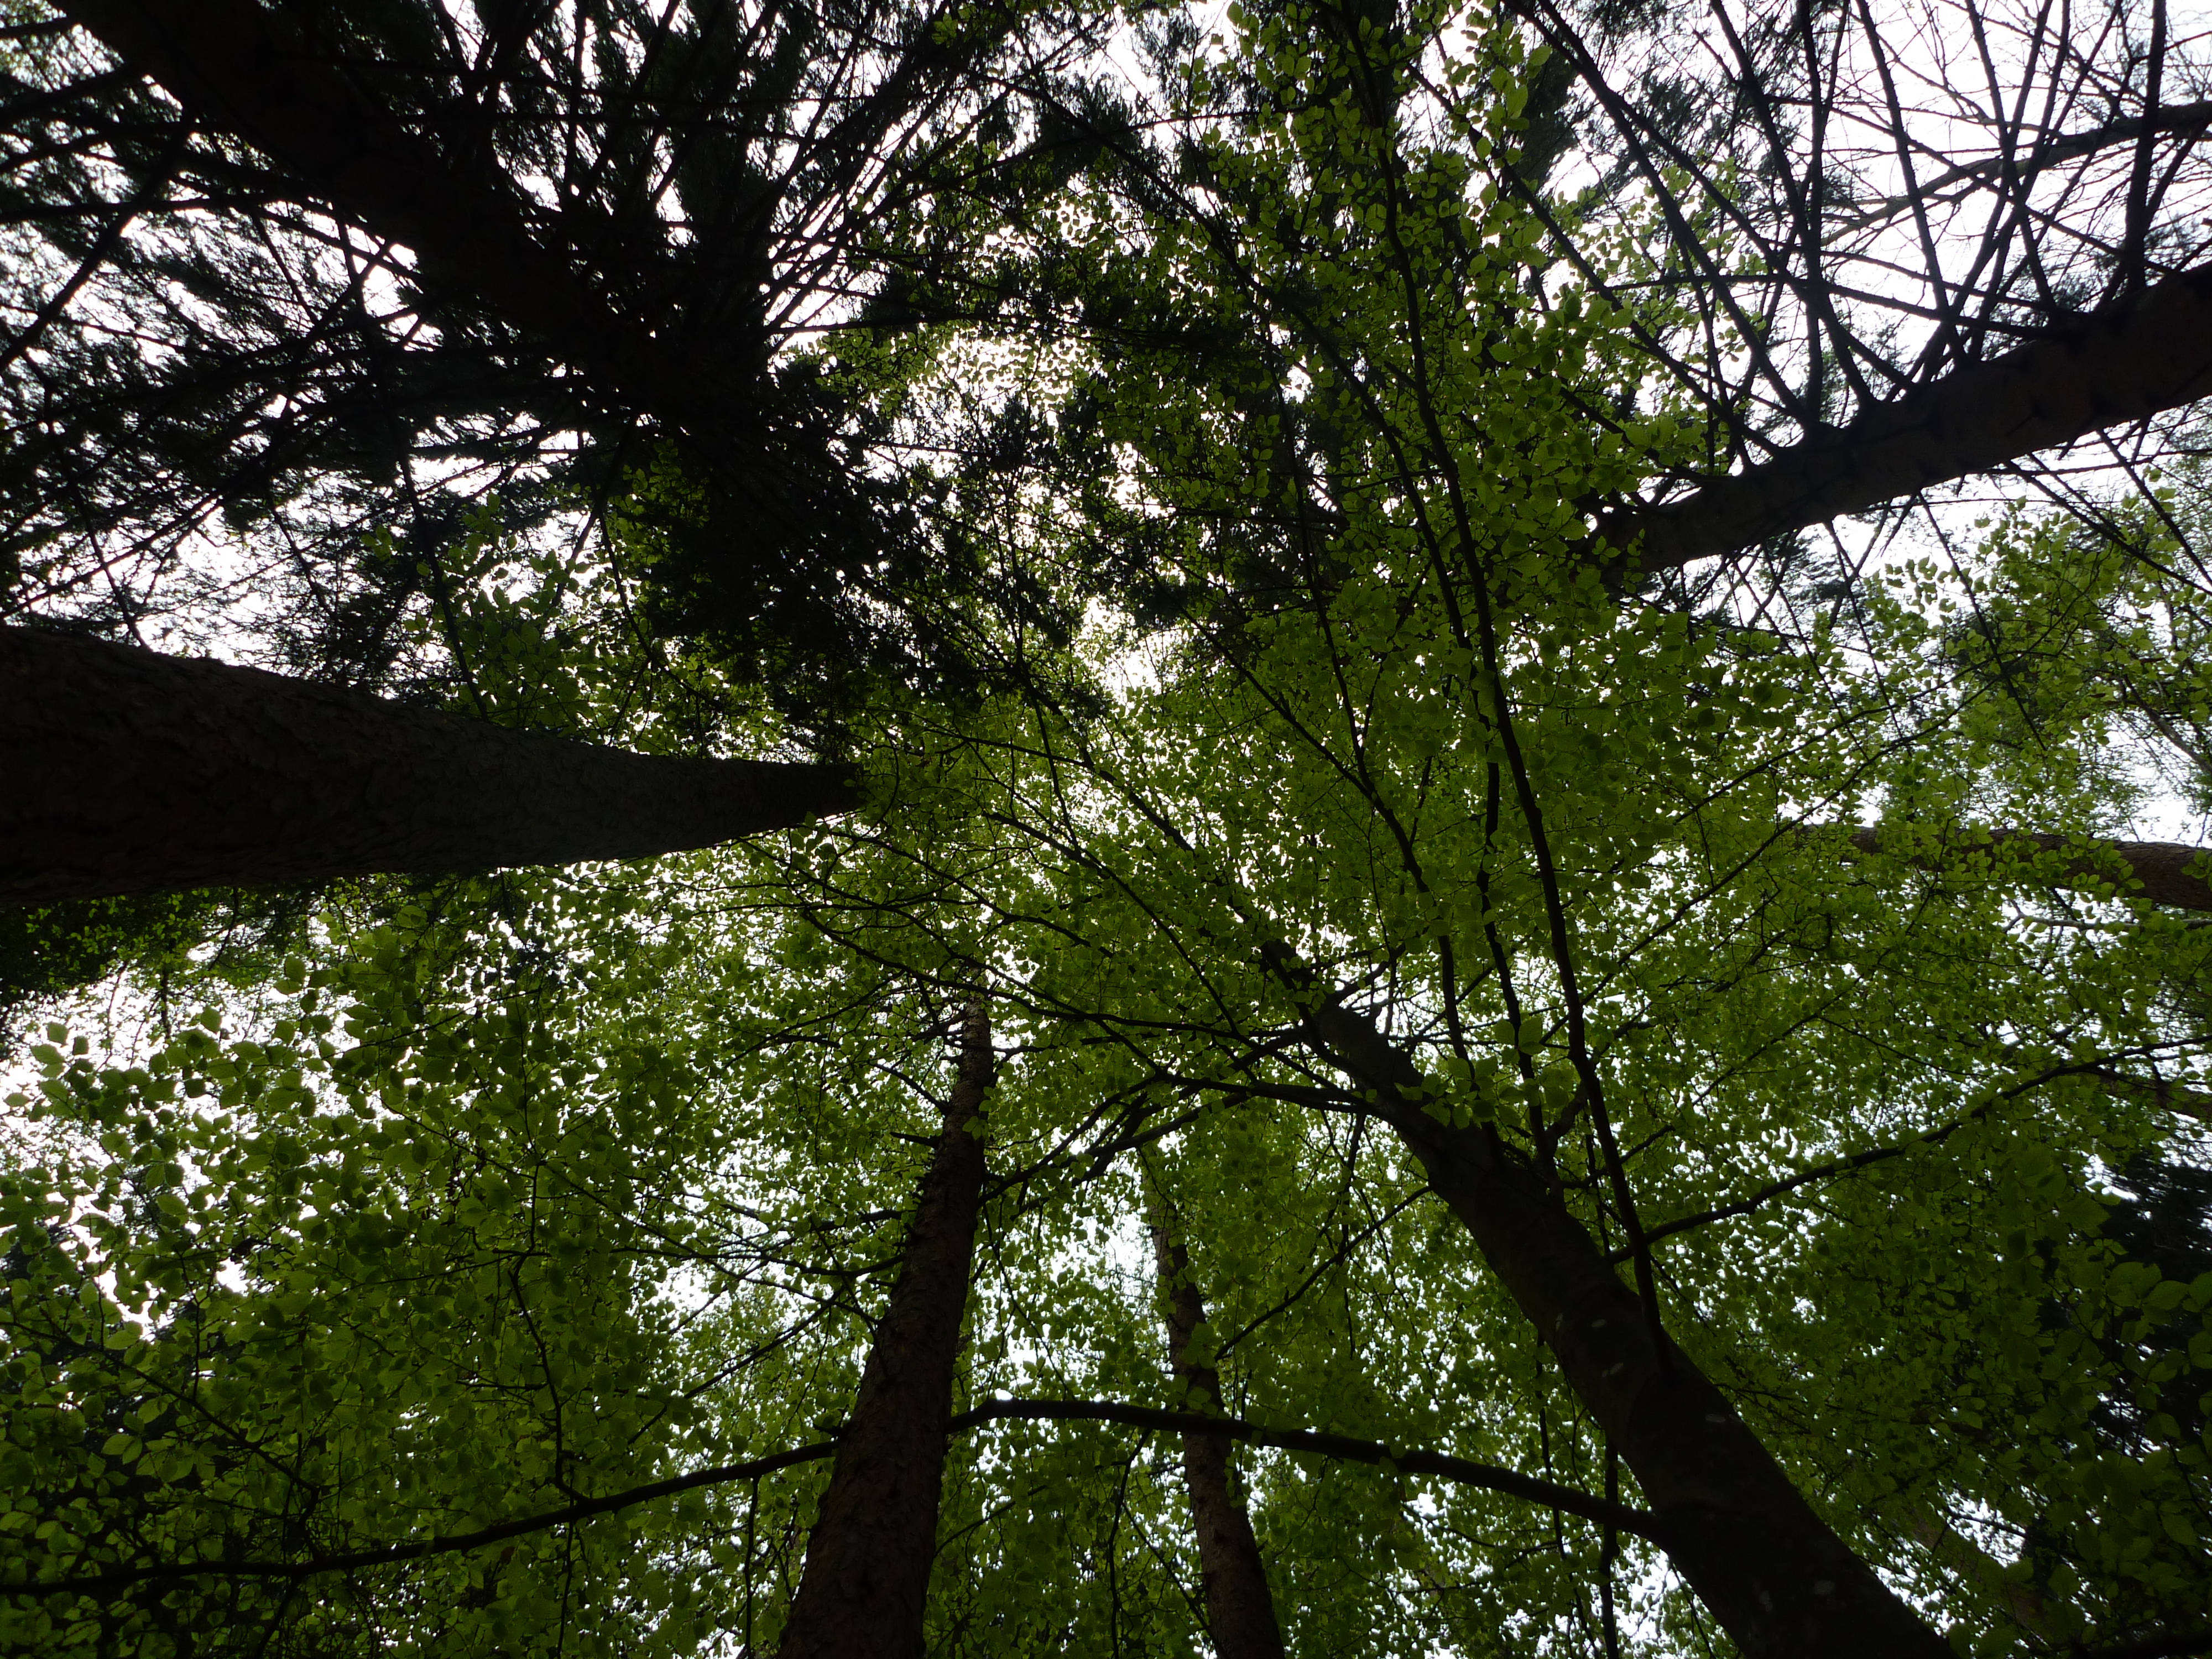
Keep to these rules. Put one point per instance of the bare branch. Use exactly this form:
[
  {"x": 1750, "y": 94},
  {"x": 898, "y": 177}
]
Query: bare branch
[{"x": 2126, "y": 361}]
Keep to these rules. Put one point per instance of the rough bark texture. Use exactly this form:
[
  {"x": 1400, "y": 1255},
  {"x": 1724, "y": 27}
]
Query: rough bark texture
[
  {"x": 2132, "y": 358},
  {"x": 1778, "y": 1578},
  {"x": 124, "y": 771},
  {"x": 2163, "y": 867},
  {"x": 1240, "y": 1612},
  {"x": 865, "y": 1585}
]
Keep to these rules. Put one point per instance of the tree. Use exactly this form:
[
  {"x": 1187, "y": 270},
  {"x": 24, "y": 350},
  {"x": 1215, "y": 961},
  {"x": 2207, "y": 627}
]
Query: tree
[
  {"x": 867, "y": 1580},
  {"x": 139, "y": 773},
  {"x": 1558, "y": 1080},
  {"x": 1883, "y": 290},
  {"x": 383, "y": 261},
  {"x": 1240, "y": 1609}
]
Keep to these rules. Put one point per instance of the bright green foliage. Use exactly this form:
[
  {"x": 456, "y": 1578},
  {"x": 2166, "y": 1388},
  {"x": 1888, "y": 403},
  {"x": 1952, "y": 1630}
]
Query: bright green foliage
[
  {"x": 2095, "y": 639},
  {"x": 555, "y": 1186}
]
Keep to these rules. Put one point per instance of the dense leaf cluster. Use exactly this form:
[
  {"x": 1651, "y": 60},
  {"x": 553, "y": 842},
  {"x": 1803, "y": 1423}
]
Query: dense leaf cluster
[{"x": 1340, "y": 832}]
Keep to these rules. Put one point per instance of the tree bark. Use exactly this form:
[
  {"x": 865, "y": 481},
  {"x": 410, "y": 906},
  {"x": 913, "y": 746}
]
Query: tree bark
[
  {"x": 129, "y": 772},
  {"x": 2135, "y": 358},
  {"x": 1773, "y": 1573},
  {"x": 2162, "y": 867},
  {"x": 864, "y": 1590},
  {"x": 1240, "y": 1611}
]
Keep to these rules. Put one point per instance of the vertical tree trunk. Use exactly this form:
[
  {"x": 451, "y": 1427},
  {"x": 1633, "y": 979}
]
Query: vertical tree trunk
[
  {"x": 1780, "y": 1583},
  {"x": 864, "y": 1588},
  {"x": 1240, "y": 1612},
  {"x": 129, "y": 772}
]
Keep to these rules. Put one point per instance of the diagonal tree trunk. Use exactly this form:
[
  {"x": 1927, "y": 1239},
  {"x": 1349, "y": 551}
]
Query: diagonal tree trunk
[
  {"x": 1776, "y": 1575},
  {"x": 130, "y": 772},
  {"x": 866, "y": 1584},
  {"x": 1240, "y": 1612},
  {"x": 2136, "y": 358}
]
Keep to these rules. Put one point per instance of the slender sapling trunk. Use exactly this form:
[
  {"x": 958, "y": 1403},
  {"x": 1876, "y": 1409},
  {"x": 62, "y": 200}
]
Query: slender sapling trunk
[{"x": 1240, "y": 1611}]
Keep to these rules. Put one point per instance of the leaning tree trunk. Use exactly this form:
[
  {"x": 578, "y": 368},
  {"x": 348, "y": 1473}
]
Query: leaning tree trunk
[
  {"x": 866, "y": 1584},
  {"x": 2142, "y": 355},
  {"x": 129, "y": 772},
  {"x": 1240, "y": 1612},
  {"x": 1776, "y": 1576}
]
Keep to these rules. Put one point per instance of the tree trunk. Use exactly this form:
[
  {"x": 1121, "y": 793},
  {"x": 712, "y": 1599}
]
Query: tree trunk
[
  {"x": 2163, "y": 867},
  {"x": 129, "y": 772},
  {"x": 1240, "y": 1612},
  {"x": 2134, "y": 358},
  {"x": 866, "y": 1584},
  {"x": 1778, "y": 1579}
]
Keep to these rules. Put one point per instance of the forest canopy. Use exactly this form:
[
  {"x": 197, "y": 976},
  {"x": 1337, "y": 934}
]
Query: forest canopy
[{"x": 1341, "y": 828}]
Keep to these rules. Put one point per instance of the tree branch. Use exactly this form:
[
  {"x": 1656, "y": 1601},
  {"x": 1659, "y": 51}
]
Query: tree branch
[
  {"x": 2164, "y": 870},
  {"x": 1459, "y": 1470},
  {"x": 241, "y": 69},
  {"x": 2191, "y": 119},
  {"x": 105, "y": 1583}
]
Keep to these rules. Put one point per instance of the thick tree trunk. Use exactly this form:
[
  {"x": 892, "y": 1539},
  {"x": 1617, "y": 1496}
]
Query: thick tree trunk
[
  {"x": 124, "y": 771},
  {"x": 1780, "y": 1583},
  {"x": 1240, "y": 1612},
  {"x": 866, "y": 1584},
  {"x": 2163, "y": 867},
  {"x": 2136, "y": 358}
]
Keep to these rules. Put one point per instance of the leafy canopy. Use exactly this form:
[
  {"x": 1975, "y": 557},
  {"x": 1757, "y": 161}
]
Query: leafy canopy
[{"x": 512, "y": 1194}]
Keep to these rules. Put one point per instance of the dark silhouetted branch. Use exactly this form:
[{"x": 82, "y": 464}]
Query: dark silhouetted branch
[
  {"x": 2133, "y": 358},
  {"x": 123, "y": 1579},
  {"x": 1459, "y": 1470}
]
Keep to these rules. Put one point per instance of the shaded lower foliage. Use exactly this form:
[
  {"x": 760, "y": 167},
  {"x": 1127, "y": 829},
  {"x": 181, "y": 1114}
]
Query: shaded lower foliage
[
  {"x": 2164, "y": 1222},
  {"x": 48, "y": 951}
]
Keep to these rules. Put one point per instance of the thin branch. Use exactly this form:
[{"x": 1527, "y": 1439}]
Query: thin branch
[{"x": 1459, "y": 1470}]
